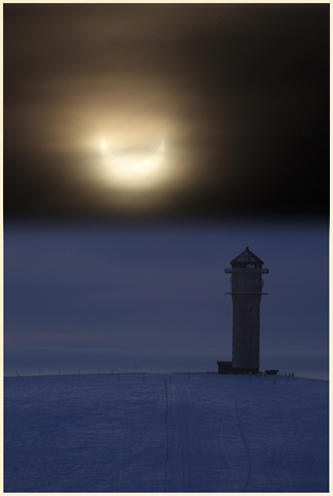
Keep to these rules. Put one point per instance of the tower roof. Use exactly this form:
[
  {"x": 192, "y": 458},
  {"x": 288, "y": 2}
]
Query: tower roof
[{"x": 246, "y": 257}]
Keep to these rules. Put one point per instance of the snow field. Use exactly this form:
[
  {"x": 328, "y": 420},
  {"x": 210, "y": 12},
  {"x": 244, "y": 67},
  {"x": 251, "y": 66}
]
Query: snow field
[{"x": 165, "y": 432}]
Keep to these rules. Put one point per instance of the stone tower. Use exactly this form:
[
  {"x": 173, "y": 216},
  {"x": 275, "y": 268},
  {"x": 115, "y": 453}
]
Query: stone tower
[{"x": 246, "y": 290}]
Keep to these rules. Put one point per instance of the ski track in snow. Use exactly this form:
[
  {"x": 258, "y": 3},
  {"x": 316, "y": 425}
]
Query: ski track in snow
[
  {"x": 198, "y": 459},
  {"x": 165, "y": 433}
]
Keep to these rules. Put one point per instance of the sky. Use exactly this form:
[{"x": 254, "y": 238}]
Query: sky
[
  {"x": 145, "y": 146},
  {"x": 152, "y": 298}
]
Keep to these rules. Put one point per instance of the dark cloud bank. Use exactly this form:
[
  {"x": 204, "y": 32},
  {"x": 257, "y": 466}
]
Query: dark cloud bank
[{"x": 240, "y": 94}]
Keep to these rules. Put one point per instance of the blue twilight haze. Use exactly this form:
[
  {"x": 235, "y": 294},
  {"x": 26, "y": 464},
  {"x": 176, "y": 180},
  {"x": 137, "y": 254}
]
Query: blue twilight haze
[{"x": 151, "y": 298}]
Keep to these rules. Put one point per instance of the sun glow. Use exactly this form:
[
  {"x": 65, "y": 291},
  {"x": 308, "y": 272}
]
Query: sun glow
[{"x": 134, "y": 169}]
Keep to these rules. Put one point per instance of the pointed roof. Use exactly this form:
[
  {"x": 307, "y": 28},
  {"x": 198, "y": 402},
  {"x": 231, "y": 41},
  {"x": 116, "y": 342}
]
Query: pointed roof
[{"x": 246, "y": 257}]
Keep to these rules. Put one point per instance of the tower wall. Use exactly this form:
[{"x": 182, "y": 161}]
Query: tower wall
[{"x": 245, "y": 331}]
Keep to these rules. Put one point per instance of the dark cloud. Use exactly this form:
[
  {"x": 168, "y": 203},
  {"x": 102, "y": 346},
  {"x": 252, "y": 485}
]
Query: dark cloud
[{"x": 240, "y": 93}]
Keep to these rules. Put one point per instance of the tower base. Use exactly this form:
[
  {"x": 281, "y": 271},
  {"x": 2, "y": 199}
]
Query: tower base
[
  {"x": 245, "y": 370},
  {"x": 227, "y": 368}
]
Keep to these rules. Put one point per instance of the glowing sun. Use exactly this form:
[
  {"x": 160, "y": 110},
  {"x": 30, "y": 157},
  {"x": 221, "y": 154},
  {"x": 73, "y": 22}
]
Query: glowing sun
[{"x": 133, "y": 169}]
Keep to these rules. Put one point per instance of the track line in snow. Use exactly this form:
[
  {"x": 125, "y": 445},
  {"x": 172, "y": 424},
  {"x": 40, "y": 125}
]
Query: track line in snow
[
  {"x": 198, "y": 455},
  {"x": 166, "y": 434},
  {"x": 249, "y": 472},
  {"x": 183, "y": 439}
]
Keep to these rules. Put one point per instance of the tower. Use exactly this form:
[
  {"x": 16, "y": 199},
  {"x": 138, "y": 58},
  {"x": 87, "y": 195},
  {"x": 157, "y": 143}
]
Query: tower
[{"x": 246, "y": 290}]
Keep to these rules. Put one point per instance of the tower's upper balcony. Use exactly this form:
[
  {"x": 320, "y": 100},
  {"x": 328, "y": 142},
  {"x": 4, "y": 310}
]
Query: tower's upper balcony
[{"x": 249, "y": 268}]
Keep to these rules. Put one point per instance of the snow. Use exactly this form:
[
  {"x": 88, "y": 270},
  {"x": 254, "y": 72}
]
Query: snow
[{"x": 165, "y": 432}]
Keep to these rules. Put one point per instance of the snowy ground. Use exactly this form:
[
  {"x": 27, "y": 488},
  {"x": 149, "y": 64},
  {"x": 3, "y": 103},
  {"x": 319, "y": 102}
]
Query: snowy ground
[{"x": 165, "y": 432}]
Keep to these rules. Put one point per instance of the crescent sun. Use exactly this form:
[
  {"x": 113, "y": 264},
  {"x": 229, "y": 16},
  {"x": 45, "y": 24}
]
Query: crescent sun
[{"x": 133, "y": 168}]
